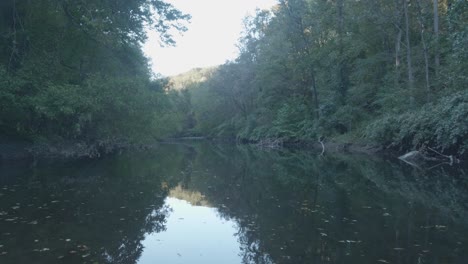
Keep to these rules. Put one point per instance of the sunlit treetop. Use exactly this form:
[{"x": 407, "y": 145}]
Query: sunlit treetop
[{"x": 125, "y": 20}]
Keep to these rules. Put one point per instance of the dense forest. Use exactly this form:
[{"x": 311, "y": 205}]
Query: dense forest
[
  {"x": 75, "y": 71},
  {"x": 390, "y": 72},
  {"x": 387, "y": 72}
]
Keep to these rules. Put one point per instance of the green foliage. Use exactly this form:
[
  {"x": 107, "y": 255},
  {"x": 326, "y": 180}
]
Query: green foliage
[
  {"x": 310, "y": 68},
  {"x": 458, "y": 41},
  {"x": 440, "y": 125},
  {"x": 292, "y": 121},
  {"x": 74, "y": 70}
]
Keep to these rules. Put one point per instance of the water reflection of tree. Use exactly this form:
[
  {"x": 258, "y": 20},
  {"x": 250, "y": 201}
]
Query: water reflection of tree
[
  {"x": 294, "y": 208},
  {"x": 88, "y": 211}
]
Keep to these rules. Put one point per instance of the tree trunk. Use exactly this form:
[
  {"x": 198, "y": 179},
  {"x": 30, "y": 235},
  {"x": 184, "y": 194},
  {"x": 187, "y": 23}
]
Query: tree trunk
[
  {"x": 314, "y": 92},
  {"x": 309, "y": 75},
  {"x": 342, "y": 68},
  {"x": 436, "y": 35},
  {"x": 425, "y": 50},
  {"x": 14, "y": 41},
  {"x": 398, "y": 43},
  {"x": 408, "y": 54}
]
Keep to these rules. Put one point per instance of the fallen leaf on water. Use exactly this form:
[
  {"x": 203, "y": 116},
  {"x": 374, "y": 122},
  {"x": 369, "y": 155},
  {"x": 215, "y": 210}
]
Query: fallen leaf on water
[
  {"x": 33, "y": 223},
  {"x": 82, "y": 247},
  {"x": 382, "y": 261}
]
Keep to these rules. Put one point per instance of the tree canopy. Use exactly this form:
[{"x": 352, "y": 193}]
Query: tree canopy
[
  {"x": 74, "y": 70},
  {"x": 384, "y": 71}
]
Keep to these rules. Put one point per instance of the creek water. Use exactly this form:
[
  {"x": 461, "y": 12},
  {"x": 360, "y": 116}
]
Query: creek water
[{"x": 207, "y": 203}]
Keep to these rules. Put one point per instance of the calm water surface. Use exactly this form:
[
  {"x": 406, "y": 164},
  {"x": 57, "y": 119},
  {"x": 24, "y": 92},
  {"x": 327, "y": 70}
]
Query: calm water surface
[{"x": 205, "y": 203}]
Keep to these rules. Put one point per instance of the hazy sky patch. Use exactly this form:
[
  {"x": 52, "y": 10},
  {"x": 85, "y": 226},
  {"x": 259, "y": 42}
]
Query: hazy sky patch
[{"x": 211, "y": 37}]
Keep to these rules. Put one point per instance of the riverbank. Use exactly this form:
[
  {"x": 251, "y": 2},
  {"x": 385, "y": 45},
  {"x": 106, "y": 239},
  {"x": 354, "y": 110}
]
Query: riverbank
[{"x": 16, "y": 150}]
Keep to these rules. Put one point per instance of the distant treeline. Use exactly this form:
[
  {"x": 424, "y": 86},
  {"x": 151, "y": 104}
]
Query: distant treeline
[
  {"x": 388, "y": 72},
  {"x": 75, "y": 71}
]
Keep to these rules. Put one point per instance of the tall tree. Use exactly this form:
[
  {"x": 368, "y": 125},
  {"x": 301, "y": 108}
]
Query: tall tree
[
  {"x": 408, "y": 53},
  {"x": 75, "y": 70},
  {"x": 342, "y": 60},
  {"x": 294, "y": 12},
  {"x": 436, "y": 35},
  {"x": 425, "y": 50},
  {"x": 399, "y": 28}
]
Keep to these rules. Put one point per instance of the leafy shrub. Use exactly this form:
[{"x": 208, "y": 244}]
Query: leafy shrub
[{"x": 442, "y": 125}]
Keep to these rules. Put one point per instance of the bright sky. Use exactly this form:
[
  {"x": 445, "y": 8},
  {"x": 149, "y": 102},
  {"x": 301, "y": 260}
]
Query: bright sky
[{"x": 211, "y": 37}]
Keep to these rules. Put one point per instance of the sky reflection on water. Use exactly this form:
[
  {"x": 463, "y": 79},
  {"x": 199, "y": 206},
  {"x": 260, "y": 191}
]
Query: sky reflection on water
[{"x": 195, "y": 234}]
